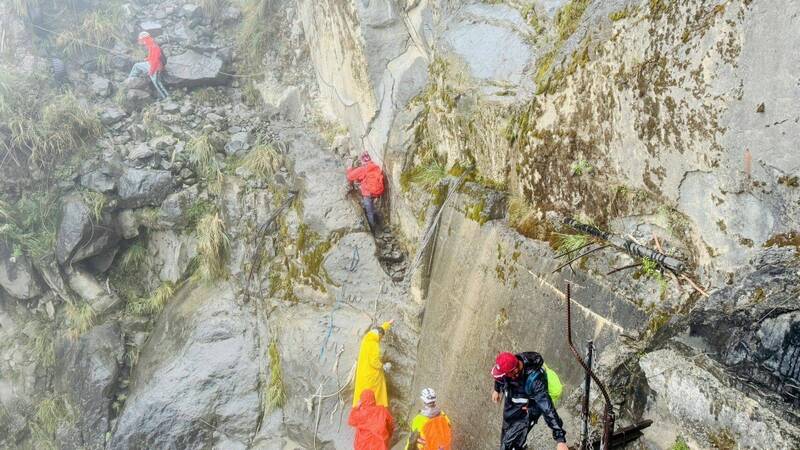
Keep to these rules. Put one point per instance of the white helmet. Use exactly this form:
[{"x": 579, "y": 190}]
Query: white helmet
[
  {"x": 143, "y": 35},
  {"x": 428, "y": 396}
]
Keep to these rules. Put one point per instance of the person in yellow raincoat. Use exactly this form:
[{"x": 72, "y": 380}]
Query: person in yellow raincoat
[{"x": 369, "y": 370}]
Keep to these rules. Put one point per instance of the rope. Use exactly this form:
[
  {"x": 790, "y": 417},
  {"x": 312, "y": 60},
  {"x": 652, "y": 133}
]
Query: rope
[
  {"x": 113, "y": 52},
  {"x": 430, "y": 231}
]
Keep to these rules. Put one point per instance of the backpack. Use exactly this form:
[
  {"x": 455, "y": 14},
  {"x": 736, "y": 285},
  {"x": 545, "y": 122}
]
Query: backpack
[
  {"x": 163, "y": 57},
  {"x": 554, "y": 386},
  {"x": 437, "y": 434}
]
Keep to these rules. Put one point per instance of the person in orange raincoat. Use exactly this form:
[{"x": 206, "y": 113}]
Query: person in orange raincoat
[
  {"x": 373, "y": 423},
  {"x": 370, "y": 178},
  {"x": 369, "y": 369}
]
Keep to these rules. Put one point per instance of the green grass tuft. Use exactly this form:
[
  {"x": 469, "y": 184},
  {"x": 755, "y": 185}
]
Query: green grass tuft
[
  {"x": 213, "y": 247},
  {"x": 275, "y": 394},
  {"x": 263, "y": 160},
  {"x": 39, "y": 126},
  {"x": 96, "y": 202},
  {"x": 251, "y": 95},
  {"x": 135, "y": 257},
  {"x": 198, "y": 210},
  {"x": 43, "y": 347},
  {"x": 570, "y": 243},
  {"x": 680, "y": 444},
  {"x": 29, "y": 225},
  {"x": 154, "y": 304},
  {"x": 581, "y": 167},
  {"x": 254, "y": 36},
  {"x": 201, "y": 153},
  {"x": 49, "y": 413},
  {"x": 427, "y": 174},
  {"x": 80, "y": 319}
]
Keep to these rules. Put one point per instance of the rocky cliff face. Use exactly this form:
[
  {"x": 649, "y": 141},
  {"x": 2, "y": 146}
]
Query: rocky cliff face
[{"x": 161, "y": 289}]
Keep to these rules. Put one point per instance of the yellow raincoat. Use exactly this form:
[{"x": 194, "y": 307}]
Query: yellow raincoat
[{"x": 369, "y": 370}]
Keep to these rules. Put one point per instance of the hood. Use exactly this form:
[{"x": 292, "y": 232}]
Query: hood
[{"x": 367, "y": 398}]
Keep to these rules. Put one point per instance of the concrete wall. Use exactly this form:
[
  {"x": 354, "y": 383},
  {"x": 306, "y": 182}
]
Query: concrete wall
[{"x": 491, "y": 290}]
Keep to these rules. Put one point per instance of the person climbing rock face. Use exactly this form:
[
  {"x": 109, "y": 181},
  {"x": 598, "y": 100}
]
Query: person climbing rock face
[
  {"x": 370, "y": 371},
  {"x": 430, "y": 428},
  {"x": 153, "y": 66},
  {"x": 373, "y": 423},
  {"x": 369, "y": 176},
  {"x": 522, "y": 378}
]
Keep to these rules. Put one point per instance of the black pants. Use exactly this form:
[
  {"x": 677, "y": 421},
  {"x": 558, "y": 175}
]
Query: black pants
[
  {"x": 372, "y": 214},
  {"x": 515, "y": 434}
]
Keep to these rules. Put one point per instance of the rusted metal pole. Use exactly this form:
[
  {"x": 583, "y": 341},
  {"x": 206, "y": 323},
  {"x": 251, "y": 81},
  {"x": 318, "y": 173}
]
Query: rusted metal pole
[
  {"x": 608, "y": 411},
  {"x": 587, "y": 384}
]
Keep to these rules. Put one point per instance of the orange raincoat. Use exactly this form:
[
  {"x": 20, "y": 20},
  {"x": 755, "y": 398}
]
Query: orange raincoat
[{"x": 373, "y": 423}]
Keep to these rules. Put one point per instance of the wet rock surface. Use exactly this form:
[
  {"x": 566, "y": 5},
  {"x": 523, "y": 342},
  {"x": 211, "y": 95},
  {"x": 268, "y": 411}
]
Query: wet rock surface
[
  {"x": 753, "y": 327},
  {"x": 80, "y": 235},
  {"x": 86, "y": 373},
  {"x": 199, "y": 367}
]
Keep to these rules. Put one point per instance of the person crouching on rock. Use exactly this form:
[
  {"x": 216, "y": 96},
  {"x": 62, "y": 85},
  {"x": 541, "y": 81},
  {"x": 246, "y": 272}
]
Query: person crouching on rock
[
  {"x": 369, "y": 176},
  {"x": 370, "y": 370},
  {"x": 373, "y": 423},
  {"x": 153, "y": 66}
]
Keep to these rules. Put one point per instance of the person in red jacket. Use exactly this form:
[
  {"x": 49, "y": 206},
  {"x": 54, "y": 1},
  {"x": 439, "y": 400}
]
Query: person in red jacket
[
  {"x": 153, "y": 66},
  {"x": 369, "y": 176},
  {"x": 373, "y": 423}
]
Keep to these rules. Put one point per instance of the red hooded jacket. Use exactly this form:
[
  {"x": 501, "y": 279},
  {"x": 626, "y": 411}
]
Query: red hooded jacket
[
  {"x": 153, "y": 55},
  {"x": 370, "y": 176},
  {"x": 373, "y": 423}
]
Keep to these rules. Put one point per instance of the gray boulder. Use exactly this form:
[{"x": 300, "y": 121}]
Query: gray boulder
[
  {"x": 144, "y": 187},
  {"x": 17, "y": 276},
  {"x": 112, "y": 115},
  {"x": 86, "y": 373},
  {"x": 698, "y": 394},
  {"x": 162, "y": 142},
  {"x": 152, "y": 27},
  {"x": 199, "y": 366},
  {"x": 79, "y": 235},
  {"x": 135, "y": 99},
  {"x": 99, "y": 86},
  {"x": 92, "y": 291},
  {"x": 192, "y": 69},
  {"x": 101, "y": 180},
  {"x": 127, "y": 225},
  {"x": 141, "y": 151},
  {"x": 753, "y": 326},
  {"x": 137, "y": 83},
  {"x": 238, "y": 144},
  {"x": 191, "y": 11}
]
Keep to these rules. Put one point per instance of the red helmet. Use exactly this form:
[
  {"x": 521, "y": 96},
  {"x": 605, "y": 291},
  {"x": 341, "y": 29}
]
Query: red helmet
[
  {"x": 365, "y": 158},
  {"x": 504, "y": 363}
]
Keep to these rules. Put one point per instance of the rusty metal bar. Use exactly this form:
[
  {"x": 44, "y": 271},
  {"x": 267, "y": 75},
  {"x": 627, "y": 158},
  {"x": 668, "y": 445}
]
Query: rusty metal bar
[
  {"x": 608, "y": 411},
  {"x": 587, "y": 384},
  {"x": 628, "y": 246}
]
